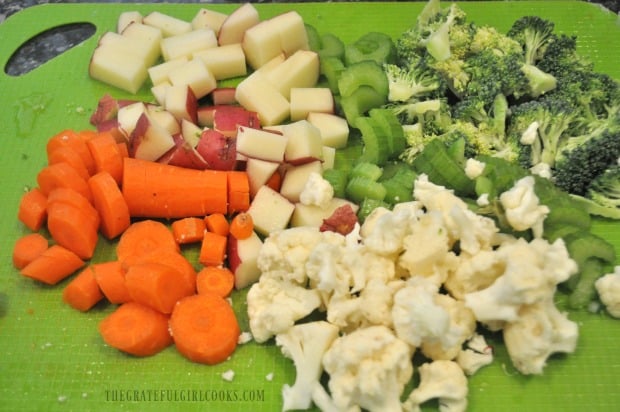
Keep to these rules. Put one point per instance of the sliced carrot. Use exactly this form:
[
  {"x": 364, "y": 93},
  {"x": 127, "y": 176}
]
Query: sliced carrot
[
  {"x": 188, "y": 230},
  {"x": 62, "y": 175},
  {"x": 32, "y": 210},
  {"x": 163, "y": 191},
  {"x": 72, "y": 228},
  {"x": 217, "y": 223},
  {"x": 110, "y": 278},
  {"x": 123, "y": 149},
  {"x": 27, "y": 248},
  {"x": 204, "y": 328},
  {"x": 106, "y": 155},
  {"x": 69, "y": 155},
  {"x": 136, "y": 329},
  {"x": 176, "y": 261},
  {"x": 238, "y": 191},
  {"x": 215, "y": 279},
  {"x": 74, "y": 198},
  {"x": 83, "y": 292},
  {"x": 110, "y": 204},
  {"x": 75, "y": 140},
  {"x": 53, "y": 265},
  {"x": 144, "y": 237},
  {"x": 212, "y": 249},
  {"x": 155, "y": 285},
  {"x": 275, "y": 181},
  {"x": 242, "y": 226},
  {"x": 86, "y": 134}
]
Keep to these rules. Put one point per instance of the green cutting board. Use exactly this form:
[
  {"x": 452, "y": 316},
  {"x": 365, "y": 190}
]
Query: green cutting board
[{"x": 52, "y": 357}]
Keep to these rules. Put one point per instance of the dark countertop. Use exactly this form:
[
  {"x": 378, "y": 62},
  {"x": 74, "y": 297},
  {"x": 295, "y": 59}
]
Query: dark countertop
[{"x": 34, "y": 53}]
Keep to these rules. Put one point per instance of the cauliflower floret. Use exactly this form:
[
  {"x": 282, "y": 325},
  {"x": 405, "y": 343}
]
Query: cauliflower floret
[
  {"x": 284, "y": 253},
  {"x": 443, "y": 380},
  {"x": 474, "y": 272},
  {"x": 424, "y": 318},
  {"x": 532, "y": 272},
  {"x": 608, "y": 288},
  {"x": 317, "y": 191},
  {"x": 475, "y": 355},
  {"x": 275, "y": 305},
  {"x": 388, "y": 231},
  {"x": 474, "y": 168},
  {"x": 539, "y": 331},
  {"x": 368, "y": 368},
  {"x": 305, "y": 344},
  {"x": 522, "y": 207}
]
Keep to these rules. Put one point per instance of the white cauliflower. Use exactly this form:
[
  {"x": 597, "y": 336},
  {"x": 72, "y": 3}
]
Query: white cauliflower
[
  {"x": 608, "y": 288},
  {"x": 476, "y": 354},
  {"x": 388, "y": 230},
  {"x": 305, "y": 344},
  {"x": 368, "y": 368},
  {"x": 443, "y": 380},
  {"x": 532, "y": 272},
  {"x": 523, "y": 210},
  {"x": 539, "y": 331},
  {"x": 424, "y": 318},
  {"x": 275, "y": 305},
  {"x": 317, "y": 191},
  {"x": 474, "y": 168},
  {"x": 475, "y": 272}
]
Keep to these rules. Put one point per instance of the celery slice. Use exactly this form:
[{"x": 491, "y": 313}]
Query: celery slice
[
  {"x": 374, "y": 46},
  {"x": 376, "y": 145},
  {"x": 364, "y": 73}
]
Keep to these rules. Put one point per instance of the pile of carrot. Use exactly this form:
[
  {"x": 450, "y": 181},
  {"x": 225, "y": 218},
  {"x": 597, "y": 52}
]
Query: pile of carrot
[{"x": 90, "y": 187}]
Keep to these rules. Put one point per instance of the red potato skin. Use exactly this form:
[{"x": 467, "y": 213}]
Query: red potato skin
[
  {"x": 232, "y": 253},
  {"x": 184, "y": 155},
  {"x": 224, "y": 96},
  {"x": 227, "y": 119},
  {"x": 219, "y": 151}
]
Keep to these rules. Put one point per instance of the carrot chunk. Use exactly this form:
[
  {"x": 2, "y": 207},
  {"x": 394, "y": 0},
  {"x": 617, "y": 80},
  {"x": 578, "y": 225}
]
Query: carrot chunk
[
  {"x": 176, "y": 261},
  {"x": 143, "y": 237},
  {"x": 215, "y": 279},
  {"x": 75, "y": 199},
  {"x": 212, "y": 249},
  {"x": 155, "y": 285},
  {"x": 136, "y": 329},
  {"x": 62, "y": 175},
  {"x": 32, "y": 210},
  {"x": 83, "y": 292},
  {"x": 69, "y": 155},
  {"x": 72, "y": 228},
  {"x": 106, "y": 155},
  {"x": 110, "y": 278},
  {"x": 53, "y": 265},
  {"x": 110, "y": 204},
  {"x": 27, "y": 248},
  {"x": 242, "y": 226},
  {"x": 204, "y": 328},
  {"x": 188, "y": 230},
  {"x": 238, "y": 191},
  {"x": 75, "y": 140},
  {"x": 217, "y": 223},
  {"x": 158, "y": 190}
]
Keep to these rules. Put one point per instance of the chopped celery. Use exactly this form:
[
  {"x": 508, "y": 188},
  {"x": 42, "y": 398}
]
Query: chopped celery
[
  {"x": 338, "y": 179},
  {"x": 331, "y": 67},
  {"x": 367, "y": 206},
  {"x": 390, "y": 124},
  {"x": 367, "y": 170},
  {"x": 376, "y": 146},
  {"x": 314, "y": 38},
  {"x": 331, "y": 46},
  {"x": 359, "y": 102},
  {"x": 364, "y": 73},
  {"x": 375, "y": 46},
  {"x": 359, "y": 188}
]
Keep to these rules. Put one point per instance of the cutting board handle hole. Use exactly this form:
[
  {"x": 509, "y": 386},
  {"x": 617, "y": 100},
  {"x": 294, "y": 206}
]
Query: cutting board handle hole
[{"x": 47, "y": 45}]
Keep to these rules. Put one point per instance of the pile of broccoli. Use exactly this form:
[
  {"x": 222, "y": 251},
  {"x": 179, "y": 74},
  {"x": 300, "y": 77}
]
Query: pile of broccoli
[{"x": 525, "y": 96}]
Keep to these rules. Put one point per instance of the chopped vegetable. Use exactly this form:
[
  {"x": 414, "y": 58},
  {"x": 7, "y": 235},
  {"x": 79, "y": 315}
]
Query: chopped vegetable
[
  {"x": 27, "y": 248},
  {"x": 188, "y": 230},
  {"x": 242, "y": 226},
  {"x": 83, "y": 292},
  {"x": 53, "y": 265},
  {"x": 215, "y": 279}
]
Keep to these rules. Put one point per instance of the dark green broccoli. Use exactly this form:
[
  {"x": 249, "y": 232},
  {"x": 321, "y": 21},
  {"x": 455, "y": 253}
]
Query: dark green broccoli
[
  {"x": 412, "y": 82},
  {"x": 605, "y": 189},
  {"x": 534, "y": 34}
]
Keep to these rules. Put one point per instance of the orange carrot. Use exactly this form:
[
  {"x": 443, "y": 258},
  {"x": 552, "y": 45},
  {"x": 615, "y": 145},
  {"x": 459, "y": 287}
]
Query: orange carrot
[
  {"x": 158, "y": 190},
  {"x": 110, "y": 204},
  {"x": 242, "y": 226},
  {"x": 188, "y": 230},
  {"x": 144, "y": 237},
  {"x": 75, "y": 140},
  {"x": 155, "y": 285},
  {"x": 32, "y": 210},
  {"x": 82, "y": 293},
  {"x": 215, "y": 279},
  {"x": 123, "y": 149},
  {"x": 275, "y": 181},
  {"x": 72, "y": 228},
  {"x": 217, "y": 223},
  {"x": 204, "y": 328},
  {"x": 110, "y": 278},
  {"x": 53, "y": 265},
  {"x": 176, "y": 261},
  {"x": 69, "y": 155},
  {"x": 62, "y": 175},
  {"x": 74, "y": 198},
  {"x": 27, "y": 248},
  {"x": 238, "y": 191},
  {"x": 212, "y": 249},
  {"x": 136, "y": 329},
  {"x": 106, "y": 155}
]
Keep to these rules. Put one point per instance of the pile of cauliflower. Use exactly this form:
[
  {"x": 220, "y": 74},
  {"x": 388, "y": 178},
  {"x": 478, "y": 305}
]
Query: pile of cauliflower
[{"x": 418, "y": 278}]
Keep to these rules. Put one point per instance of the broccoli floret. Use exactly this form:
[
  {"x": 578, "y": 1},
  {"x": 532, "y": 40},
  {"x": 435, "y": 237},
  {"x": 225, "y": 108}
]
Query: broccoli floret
[
  {"x": 534, "y": 34},
  {"x": 605, "y": 189},
  {"x": 412, "y": 82},
  {"x": 487, "y": 37},
  {"x": 561, "y": 57},
  {"x": 432, "y": 115},
  {"x": 582, "y": 159}
]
